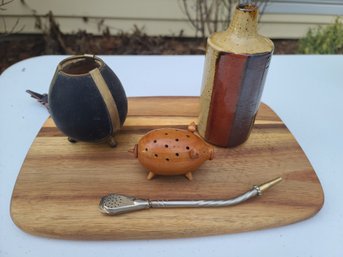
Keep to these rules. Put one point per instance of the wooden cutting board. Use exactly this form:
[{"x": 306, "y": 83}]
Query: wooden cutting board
[{"x": 60, "y": 184}]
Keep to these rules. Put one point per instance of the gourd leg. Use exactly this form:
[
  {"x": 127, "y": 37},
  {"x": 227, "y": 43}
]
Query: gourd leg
[
  {"x": 112, "y": 142},
  {"x": 72, "y": 140}
]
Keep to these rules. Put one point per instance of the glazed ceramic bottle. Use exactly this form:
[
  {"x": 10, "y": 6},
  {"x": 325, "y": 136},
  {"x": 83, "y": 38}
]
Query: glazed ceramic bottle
[{"x": 235, "y": 69}]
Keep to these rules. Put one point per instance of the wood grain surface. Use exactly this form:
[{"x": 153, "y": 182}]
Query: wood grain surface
[{"x": 60, "y": 184}]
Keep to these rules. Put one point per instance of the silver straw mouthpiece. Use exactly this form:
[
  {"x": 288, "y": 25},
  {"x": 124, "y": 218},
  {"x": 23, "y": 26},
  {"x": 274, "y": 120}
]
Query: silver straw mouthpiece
[{"x": 114, "y": 204}]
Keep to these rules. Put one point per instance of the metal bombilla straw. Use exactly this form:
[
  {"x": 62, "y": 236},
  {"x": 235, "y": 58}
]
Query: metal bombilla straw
[{"x": 114, "y": 204}]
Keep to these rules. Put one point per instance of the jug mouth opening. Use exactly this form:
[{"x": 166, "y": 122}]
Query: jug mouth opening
[
  {"x": 247, "y": 7},
  {"x": 79, "y": 65}
]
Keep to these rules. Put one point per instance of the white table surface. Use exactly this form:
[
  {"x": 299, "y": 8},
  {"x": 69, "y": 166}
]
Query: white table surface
[{"x": 305, "y": 91}]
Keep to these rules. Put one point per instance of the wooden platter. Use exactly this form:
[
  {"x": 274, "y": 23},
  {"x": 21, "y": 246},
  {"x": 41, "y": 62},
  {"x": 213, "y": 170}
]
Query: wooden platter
[{"x": 60, "y": 184}]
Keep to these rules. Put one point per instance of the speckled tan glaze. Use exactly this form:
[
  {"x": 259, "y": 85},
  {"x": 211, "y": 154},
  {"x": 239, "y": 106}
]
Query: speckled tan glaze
[
  {"x": 170, "y": 151},
  {"x": 207, "y": 88},
  {"x": 241, "y": 37},
  {"x": 228, "y": 62}
]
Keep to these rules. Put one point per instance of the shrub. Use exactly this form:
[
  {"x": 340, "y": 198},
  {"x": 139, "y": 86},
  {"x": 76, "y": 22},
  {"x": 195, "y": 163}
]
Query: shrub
[{"x": 327, "y": 40}]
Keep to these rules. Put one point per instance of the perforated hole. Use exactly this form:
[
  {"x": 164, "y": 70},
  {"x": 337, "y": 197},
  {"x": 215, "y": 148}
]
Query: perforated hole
[
  {"x": 113, "y": 201},
  {"x": 177, "y": 154},
  {"x": 177, "y": 140},
  {"x": 187, "y": 147},
  {"x": 167, "y": 159},
  {"x": 166, "y": 146},
  {"x": 155, "y": 141},
  {"x": 156, "y": 155}
]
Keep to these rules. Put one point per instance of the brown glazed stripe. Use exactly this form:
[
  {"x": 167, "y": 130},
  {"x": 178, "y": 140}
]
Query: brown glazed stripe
[{"x": 226, "y": 89}]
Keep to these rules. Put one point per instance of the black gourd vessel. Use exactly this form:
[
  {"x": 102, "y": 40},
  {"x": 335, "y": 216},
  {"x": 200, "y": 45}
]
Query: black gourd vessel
[{"x": 86, "y": 100}]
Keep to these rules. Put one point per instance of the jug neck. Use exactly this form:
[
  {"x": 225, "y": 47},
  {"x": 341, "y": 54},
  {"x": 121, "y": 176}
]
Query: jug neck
[{"x": 244, "y": 21}]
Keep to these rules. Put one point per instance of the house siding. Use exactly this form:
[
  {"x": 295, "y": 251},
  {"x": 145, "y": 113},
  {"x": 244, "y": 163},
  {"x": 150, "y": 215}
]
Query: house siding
[{"x": 282, "y": 19}]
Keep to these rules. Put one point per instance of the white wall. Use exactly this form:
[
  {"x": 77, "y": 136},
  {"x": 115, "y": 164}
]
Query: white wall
[{"x": 282, "y": 19}]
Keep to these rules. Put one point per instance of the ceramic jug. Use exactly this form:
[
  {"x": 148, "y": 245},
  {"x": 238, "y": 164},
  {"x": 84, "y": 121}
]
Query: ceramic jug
[
  {"x": 236, "y": 66},
  {"x": 87, "y": 100}
]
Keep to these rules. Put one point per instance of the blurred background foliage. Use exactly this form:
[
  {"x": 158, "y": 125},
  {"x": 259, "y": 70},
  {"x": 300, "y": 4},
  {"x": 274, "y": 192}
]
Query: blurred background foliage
[{"x": 320, "y": 40}]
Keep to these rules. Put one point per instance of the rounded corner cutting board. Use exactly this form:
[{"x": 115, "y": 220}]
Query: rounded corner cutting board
[{"x": 60, "y": 184}]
